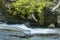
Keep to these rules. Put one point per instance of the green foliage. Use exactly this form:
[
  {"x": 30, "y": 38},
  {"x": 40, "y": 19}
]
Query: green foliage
[
  {"x": 39, "y": 9},
  {"x": 21, "y": 9},
  {"x": 1, "y": 4},
  {"x": 27, "y": 7},
  {"x": 50, "y": 19}
]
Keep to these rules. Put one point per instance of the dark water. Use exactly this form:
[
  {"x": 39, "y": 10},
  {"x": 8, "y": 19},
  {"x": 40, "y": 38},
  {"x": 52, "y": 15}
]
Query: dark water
[{"x": 14, "y": 35}]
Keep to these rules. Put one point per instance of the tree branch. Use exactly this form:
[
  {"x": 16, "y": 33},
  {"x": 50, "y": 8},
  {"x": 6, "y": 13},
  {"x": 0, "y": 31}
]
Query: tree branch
[{"x": 55, "y": 7}]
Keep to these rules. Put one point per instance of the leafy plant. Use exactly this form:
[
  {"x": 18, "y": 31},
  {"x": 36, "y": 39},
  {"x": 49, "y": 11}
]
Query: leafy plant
[
  {"x": 26, "y": 7},
  {"x": 21, "y": 9}
]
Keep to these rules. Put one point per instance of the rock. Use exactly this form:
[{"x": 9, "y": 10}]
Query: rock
[{"x": 51, "y": 25}]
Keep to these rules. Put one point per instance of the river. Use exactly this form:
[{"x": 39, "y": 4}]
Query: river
[
  {"x": 14, "y": 35},
  {"x": 6, "y": 34}
]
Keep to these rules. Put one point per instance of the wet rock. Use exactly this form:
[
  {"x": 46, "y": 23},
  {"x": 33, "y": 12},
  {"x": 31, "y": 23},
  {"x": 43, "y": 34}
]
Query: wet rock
[{"x": 51, "y": 25}]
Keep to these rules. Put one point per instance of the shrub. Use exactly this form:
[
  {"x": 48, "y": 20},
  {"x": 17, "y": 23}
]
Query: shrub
[
  {"x": 24, "y": 8},
  {"x": 21, "y": 9}
]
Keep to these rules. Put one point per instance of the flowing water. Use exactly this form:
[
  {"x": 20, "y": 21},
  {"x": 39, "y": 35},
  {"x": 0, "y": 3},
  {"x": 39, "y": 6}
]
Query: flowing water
[
  {"x": 6, "y": 34},
  {"x": 14, "y": 35}
]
